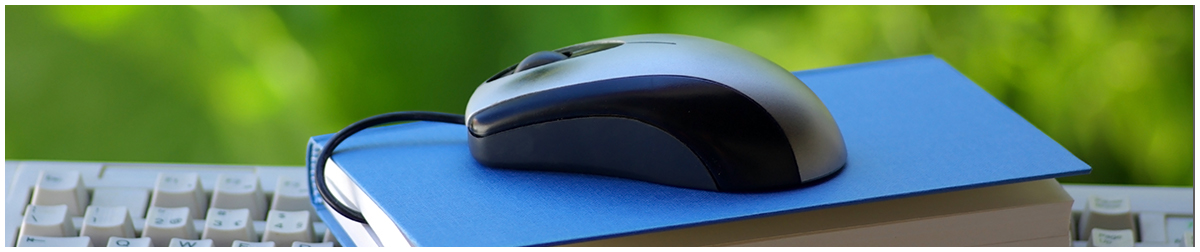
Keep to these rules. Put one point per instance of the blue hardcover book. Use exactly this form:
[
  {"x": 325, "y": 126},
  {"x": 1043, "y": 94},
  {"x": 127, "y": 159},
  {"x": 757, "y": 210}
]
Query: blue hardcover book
[{"x": 912, "y": 126}]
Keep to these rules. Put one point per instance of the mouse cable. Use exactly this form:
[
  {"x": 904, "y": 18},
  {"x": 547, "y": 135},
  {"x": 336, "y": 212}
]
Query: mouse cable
[{"x": 327, "y": 151}]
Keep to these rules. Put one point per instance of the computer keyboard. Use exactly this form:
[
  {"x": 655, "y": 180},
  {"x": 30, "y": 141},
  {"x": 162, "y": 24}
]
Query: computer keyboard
[
  {"x": 82, "y": 204},
  {"x": 1142, "y": 216},
  {"x": 100, "y": 204}
]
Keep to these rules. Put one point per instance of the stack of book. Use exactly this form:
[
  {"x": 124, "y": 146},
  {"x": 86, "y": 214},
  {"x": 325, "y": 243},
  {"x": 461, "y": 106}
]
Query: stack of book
[{"x": 933, "y": 160}]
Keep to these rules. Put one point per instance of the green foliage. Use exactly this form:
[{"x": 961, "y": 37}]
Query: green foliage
[{"x": 250, "y": 84}]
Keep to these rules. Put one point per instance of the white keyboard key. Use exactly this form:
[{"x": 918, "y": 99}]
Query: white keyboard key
[
  {"x": 285, "y": 227},
  {"x": 291, "y": 194},
  {"x": 235, "y": 191},
  {"x": 224, "y": 226},
  {"x": 1152, "y": 227},
  {"x": 176, "y": 242},
  {"x": 42, "y": 241},
  {"x": 1106, "y": 212},
  {"x": 240, "y": 243},
  {"x": 100, "y": 223},
  {"x": 133, "y": 199},
  {"x": 61, "y": 188},
  {"x": 47, "y": 221},
  {"x": 164, "y": 223},
  {"x": 312, "y": 244},
  {"x": 1111, "y": 238},
  {"x": 128, "y": 242},
  {"x": 180, "y": 190}
]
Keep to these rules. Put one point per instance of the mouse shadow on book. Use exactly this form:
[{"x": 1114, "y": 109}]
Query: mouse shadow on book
[
  {"x": 805, "y": 185},
  {"x": 540, "y": 179}
]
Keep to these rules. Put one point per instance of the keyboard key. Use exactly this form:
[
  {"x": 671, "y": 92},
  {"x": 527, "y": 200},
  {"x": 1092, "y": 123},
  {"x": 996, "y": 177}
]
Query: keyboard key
[
  {"x": 1152, "y": 227},
  {"x": 234, "y": 191},
  {"x": 164, "y": 223},
  {"x": 312, "y": 244},
  {"x": 176, "y": 242},
  {"x": 100, "y": 223},
  {"x": 240, "y": 243},
  {"x": 224, "y": 226},
  {"x": 47, "y": 221},
  {"x": 42, "y": 241},
  {"x": 128, "y": 242},
  {"x": 1111, "y": 238},
  {"x": 133, "y": 199},
  {"x": 292, "y": 195},
  {"x": 61, "y": 188},
  {"x": 1107, "y": 212},
  {"x": 285, "y": 227},
  {"x": 180, "y": 190}
]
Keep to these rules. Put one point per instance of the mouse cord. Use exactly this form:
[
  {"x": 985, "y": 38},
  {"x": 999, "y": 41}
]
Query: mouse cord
[{"x": 327, "y": 151}]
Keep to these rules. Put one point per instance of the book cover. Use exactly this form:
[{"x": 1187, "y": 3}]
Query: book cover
[{"x": 912, "y": 126}]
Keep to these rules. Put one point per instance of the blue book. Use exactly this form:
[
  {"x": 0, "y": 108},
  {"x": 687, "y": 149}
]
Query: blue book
[{"x": 912, "y": 126}]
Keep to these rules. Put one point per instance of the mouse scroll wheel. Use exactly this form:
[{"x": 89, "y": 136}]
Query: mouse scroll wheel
[{"x": 539, "y": 58}]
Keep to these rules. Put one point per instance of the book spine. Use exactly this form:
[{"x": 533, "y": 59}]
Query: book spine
[
  {"x": 310, "y": 160},
  {"x": 326, "y": 215}
]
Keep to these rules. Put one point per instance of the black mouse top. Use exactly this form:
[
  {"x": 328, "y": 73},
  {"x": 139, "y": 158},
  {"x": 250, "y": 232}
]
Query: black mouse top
[{"x": 670, "y": 109}]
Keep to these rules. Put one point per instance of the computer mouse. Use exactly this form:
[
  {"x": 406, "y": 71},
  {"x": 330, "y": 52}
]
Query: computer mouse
[{"x": 676, "y": 110}]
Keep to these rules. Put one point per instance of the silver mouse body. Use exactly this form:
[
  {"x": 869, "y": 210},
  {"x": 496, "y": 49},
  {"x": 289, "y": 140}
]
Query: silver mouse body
[{"x": 569, "y": 114}]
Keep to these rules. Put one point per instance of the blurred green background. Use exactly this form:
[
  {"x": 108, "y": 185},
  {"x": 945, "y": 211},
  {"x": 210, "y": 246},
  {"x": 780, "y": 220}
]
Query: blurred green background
[{"x": 250, "y": 84}]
